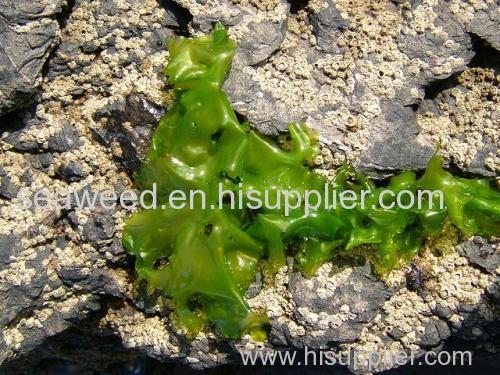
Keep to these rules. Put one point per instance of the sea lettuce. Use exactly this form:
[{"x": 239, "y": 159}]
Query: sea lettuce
[{"x": 205, "y": 259}]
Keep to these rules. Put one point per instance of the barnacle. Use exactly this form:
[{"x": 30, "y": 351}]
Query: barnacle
[{"x": 205, "y": 255}]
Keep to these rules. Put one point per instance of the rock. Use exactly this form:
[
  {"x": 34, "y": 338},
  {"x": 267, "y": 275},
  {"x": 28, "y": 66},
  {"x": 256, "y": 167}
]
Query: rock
[
  {"x": 442, "y": 311},
  {"x": 72, "y": 172},
  {"x": 127, "y": 129},
  {"x": 431, "y": 335},
  {"x": 339, "y": 312},
  {"x": 27, "y": 177},
  {"x": 95, "y": 281},
  {"x": 482, "y": 253},
  {"x": 19, "y": 129},
  {"x": 485, "y": 25},
  {"x": 16, "y": 299},
  {"x": 8, "y": 189},
  {"x": 328, "y": 24},
  {"x": 262, "y": 40},
  {"x": 428, "y": 46},
  {"x": 203, "y": 20},
  {"x": 65, "y": 140},
  {"x": 10, "y": 246},
  {"x": 41, "y": 161},
  {"x": 393, "y": 146},
  {"x": 117, "y": 254},
  {"x": 257, "y": 105},
  {"x": 177, "y": 16},
  {"x": 75, "y": 54},
  {"x": 99, "y": 229},
  {"x": 28, "y": 31},
  {"x": 447, "y": 120}
]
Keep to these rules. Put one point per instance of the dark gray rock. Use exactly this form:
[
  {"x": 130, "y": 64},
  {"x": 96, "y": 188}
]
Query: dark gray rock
[
  {"x": 478, "y": 166},
  {"x": 99, "y": 229},
  {"x": 18, "y": 299},
  {"x": 442, "y": 328},
  {"x": 482, "y": 253},
  {"x": 361, "y": 292},
  {"x": 84, "y": 54},
  {"x": 72, "y": 172},
  {"x": 41, "y": 161},
  {"x": 260, "y": 42},
  {"x": 446, "y": 98},
  {"x": 8, "y": 189},
  {"x": 267, "y": 115},
  {"x": 428, "y": 46},
  {"x": 22, "y": 54},
  {"x": 97, "y": 281},
  {"x": 27, "y": 177},
  {"x": 65, "y": 140},
  {"x": 21, "y": 144},
  {"x": 141, "y": 117},
  {"x": 58, "y": 65},
  {"x": 393, "y": 147},
  {"x": 16, "y": 127},
  {"x": 442, "y": 311},
  {"x": 327, "y": 26},
  {"x": 204, "y": 22},
  {"x": 485, "y": 25},
  {"x": 430, "y": 337},
  {"x": 24, "y": 11},
  {"x": 10, "y": 246},
  {"x": 118, "y": 254}
]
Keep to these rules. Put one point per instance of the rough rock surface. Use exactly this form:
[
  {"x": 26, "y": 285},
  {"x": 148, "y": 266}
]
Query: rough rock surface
[
  {"x": 28, "y": 31},
  {"x": 383, "y": 83}
]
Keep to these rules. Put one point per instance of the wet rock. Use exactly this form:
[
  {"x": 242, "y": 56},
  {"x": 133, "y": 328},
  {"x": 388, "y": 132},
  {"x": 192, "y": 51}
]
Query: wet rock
[
  {"x": 229, "y": 16},
  {"x": 327, "y": 26},
  {"x": 18, "y": 297},
  {"x": 27, "y": 177},
  {"x": 177, "y": 16},
  {"x": 448, "y": 119},
  {"x": 127, "y": 128},
  {"x": 72, "y": 172},
  {"x": 93, "y": 281},
  {"x": 28, "y": 32},
  {"x": 482, "y": 253}
]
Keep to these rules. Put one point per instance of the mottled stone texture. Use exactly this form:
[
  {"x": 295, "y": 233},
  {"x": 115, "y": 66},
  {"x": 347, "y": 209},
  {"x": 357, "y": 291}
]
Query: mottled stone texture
[
  {"x": 383, "y": 83},
  {"x": 28, "y": 30}
]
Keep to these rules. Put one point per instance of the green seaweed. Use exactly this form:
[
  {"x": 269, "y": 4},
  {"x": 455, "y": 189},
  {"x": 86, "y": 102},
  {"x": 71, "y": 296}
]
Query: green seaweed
[{"x": 205, "y": 259}]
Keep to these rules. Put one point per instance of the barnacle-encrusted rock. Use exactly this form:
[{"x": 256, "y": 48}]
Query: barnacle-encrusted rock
[
  {"x": 28, "y": 32},
  {"x": 126, "y": 127}
]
